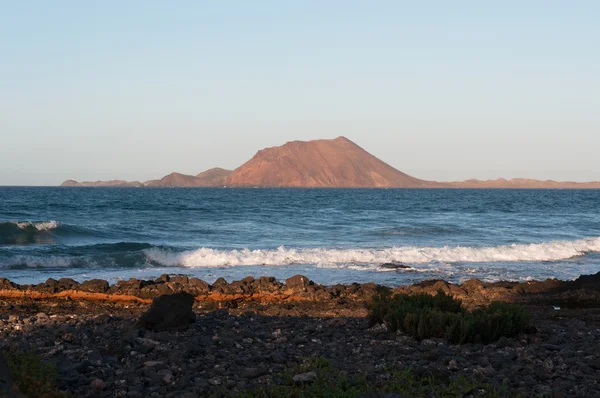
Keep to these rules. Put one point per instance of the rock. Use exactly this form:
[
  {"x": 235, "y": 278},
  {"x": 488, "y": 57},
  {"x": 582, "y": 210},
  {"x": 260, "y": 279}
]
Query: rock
[
  {"x": 502, "y": 342},
  {"x": 51, "y": 284},
  {"x": 381, "y": 395},
  {"x": 394, "y": 266},
  {"x": 453, "y": 365},
  {"x": 199, "y": 285},
  {"x": 215, "y": 381},
  {"x": 181, "y": 279},
  {"x": 7, "y": 284},
  {"x": 165, "y": 376},
  {"x": 95, "y": 286},
  {"x": 67, "y": 284},
  {"x": 305, "y": 378},
  {"x": 253, "y": 373},
  {"x": 153, "y": 364},
  {"x": 169, "y": 313},
  {"x": 298, "y": 281},
  {"x": 552, "y": 347},
  {"x": 97, "y": 385}
]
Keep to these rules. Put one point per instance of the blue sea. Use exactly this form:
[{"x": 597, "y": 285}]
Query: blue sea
[{"x": 330, "y": 235}]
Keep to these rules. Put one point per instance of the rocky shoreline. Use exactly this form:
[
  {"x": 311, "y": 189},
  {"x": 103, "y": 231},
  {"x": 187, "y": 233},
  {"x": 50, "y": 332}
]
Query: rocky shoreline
[
  {"x": 581, "y": 292},
  {"x": 248, "y": 332}
]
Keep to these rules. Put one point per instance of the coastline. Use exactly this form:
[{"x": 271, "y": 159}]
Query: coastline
[
  {"x": 581, "y": 292},
  {"x": 247, "y": 332}
]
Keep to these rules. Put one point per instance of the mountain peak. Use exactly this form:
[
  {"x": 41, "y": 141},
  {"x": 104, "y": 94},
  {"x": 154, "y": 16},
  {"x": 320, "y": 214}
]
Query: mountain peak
[{"x": 319, "y": 163}]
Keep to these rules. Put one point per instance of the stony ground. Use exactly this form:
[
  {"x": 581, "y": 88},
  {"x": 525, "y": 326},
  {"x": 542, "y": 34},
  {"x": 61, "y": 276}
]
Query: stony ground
[{"x": 101, "y": 351}]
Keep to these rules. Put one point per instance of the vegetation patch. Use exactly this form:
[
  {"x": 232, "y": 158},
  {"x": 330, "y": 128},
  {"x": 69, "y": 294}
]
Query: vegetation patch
[
  {"x": 333, "y": 383},
  {"x": 425, "y": 316},
  {"x": 33, "y": 377}
]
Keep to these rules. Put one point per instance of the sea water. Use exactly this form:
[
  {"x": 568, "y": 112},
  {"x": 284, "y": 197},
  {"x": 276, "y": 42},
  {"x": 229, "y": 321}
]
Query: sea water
[{"x": 330, "y": 235}]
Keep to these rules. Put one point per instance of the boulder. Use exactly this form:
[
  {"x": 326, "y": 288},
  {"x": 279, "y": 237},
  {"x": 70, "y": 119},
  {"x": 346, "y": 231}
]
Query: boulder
[
  {"x": 6, "y": 284},
  {"x": 266, "y": 284},
  {"x": 181, "y": 279},
  {"x": 67, "y": 284},
  {"x": 198, "y": 285},
  {"x": 172, "y": 312},
  {"x": 95, "y": 286},
  {"x": 298, "y": 282}
]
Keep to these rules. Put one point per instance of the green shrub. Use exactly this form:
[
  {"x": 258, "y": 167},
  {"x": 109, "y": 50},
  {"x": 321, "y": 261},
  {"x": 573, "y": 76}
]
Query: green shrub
[
  {"x": 33, "y": 377},
  {"x": 334, "y": 383},
  {"x": 425, "y": 316}
]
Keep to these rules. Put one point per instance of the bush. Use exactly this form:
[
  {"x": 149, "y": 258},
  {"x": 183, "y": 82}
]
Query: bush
[
  {"x": 334, "y": 383},
  {"x": 425, "y": 316},
  {"x": 33, "y": 377}
]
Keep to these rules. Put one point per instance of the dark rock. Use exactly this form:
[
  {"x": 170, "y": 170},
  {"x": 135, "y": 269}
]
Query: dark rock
[
  {"x": 253, "y": 373},
  {"x": 394, "y": 266},
  {"x": 198, "y": 285},
  {"x": 7, "y": 285},
  {"x": 181, "y": 279},
  {"x": 298, "y": 281},
  {"x": 95, "y": 286},
  {"x": 67, "y": 284},
  {"x": 266, "y": 284},
  {"x": 552, "y": 347},
  {"x": 502, "y": 342},
  {"x": 169, "y": 313},
  {"x": 222, "y": 286},
  {"x": 50, "y": 286}
]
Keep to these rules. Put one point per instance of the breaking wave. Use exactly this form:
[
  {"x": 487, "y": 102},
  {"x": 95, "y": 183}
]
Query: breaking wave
[
  {"x": 132, "y": 255},
  {"x": 206, "y": 257},
  {"x": 25, "y": 232},
  {"x": 38, "y": 226}
]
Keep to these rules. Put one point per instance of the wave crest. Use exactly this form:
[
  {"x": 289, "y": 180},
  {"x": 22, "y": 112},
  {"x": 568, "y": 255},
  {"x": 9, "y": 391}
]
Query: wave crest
[
  {"x": 206, "y": 257},
  {"x": 38, "y": 226},
  {"x": 26, "y": 232}
]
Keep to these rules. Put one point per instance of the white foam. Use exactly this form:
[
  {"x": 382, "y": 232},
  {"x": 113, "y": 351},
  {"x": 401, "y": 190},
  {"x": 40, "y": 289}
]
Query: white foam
[
  {"x": 40, "y": 226},
  {"x": 206, "y": 257}
]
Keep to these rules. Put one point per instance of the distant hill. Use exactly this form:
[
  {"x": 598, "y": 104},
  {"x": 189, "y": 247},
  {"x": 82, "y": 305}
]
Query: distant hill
[
  {"x": 213, "y": 177},
  {"x": 111, "y": 183},
  {"x": 209, "y": 178},
  {"x": 523, "y": 183},
  {"x": 337, "y": 163}
]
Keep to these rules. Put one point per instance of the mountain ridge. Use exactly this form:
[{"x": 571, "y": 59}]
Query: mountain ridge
[{"x": 324, "y": 163}]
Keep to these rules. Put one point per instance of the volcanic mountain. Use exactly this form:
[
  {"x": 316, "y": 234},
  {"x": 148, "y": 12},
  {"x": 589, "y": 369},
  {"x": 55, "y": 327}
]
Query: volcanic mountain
[{"x": 338, "y": 163}]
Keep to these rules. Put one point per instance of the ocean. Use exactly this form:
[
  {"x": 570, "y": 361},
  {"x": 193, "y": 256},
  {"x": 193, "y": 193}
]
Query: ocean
[{"x": 330, "y": 235}]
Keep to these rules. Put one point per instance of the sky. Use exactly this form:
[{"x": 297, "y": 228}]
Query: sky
[{"x": 442, "y": 90}]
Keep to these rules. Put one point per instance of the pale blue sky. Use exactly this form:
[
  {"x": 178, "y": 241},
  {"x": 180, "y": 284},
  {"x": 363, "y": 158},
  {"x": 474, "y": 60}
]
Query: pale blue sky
[{"x": 444, "y": 90}]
